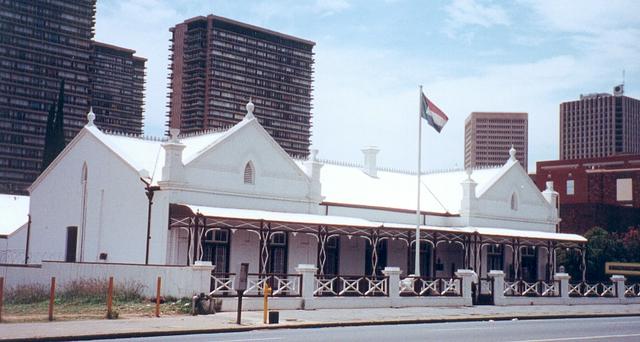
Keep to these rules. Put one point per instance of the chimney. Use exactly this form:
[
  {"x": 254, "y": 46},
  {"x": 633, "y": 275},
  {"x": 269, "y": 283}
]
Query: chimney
[
  {"x": 173, "y": 169},
  {"x": 469, "y": 202},
  {"x": 312, "y": 169},
  {"x": 370, "y": 166},
  {"x": 552, "y": 197}
]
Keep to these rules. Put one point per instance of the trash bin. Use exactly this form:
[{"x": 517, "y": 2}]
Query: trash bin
[{"x": 274, "y": 317}]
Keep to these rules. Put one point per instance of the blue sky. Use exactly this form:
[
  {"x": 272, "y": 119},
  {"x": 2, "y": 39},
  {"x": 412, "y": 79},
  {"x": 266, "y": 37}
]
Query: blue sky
[{"x": 469, "y": 55}]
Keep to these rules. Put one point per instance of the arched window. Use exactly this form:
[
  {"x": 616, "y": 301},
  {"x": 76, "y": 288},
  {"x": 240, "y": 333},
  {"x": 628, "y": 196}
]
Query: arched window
[
  {"x": 514, "y": 201},
  {"x": 249, "y": 174}
]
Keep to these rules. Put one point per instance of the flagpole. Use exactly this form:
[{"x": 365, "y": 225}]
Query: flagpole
[{"x": 417, "y": 239}]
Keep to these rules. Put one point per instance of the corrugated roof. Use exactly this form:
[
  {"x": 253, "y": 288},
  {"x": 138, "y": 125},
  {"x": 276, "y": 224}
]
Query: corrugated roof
[{"x": 440, "y": 192}]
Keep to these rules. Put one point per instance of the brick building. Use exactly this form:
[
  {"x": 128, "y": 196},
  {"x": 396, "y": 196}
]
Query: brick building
[
  {"x": 488, "y": 136},
  {"x": 600, "y": 125},
  {"x": 593, "y": 192},
  {"x": 218, "y": 63}
]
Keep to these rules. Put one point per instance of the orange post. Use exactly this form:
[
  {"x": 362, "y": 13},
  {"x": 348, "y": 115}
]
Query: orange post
[
  {"x": 110, "y": 298},
  {"x": 266, "y": 290},
  {"x": 1, "y": 296},
  {"x": 52, "y": 297},
  {"x": 158, "y": 297}
]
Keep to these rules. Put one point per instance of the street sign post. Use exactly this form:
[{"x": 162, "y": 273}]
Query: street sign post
[{"x": 240, "y": 285}]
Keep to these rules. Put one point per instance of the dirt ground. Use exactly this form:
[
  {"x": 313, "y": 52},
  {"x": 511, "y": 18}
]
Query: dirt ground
[{"x": 38, "y": 312}]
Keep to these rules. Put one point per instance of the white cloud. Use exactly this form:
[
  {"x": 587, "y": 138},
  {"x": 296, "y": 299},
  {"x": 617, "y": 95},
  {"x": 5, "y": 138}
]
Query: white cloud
[{"x": 472, "y": 12}]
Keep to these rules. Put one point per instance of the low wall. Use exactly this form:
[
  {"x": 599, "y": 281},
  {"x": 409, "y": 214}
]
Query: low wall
[
  {"x": 298, "y": 303},
  {"x": 177, "y": 281}
]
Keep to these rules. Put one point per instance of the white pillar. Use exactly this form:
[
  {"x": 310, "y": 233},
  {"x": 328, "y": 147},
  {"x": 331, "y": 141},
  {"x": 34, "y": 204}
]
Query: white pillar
[
  {"x": 468, "y": 277},
  {"x": 394, "y": 281},
  {"x": 563, "y": 279},
  {"x": 498, "y": 287},
  {"x": 618, "y": 282},
  {"x": 308, "y": 282},
  {"x": 202, "y": 276}
]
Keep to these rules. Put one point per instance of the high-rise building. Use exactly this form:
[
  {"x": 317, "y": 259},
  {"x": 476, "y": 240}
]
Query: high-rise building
[
  {"x": 488, "y": 136},
  {"x": 43, "y": 42},
  {"x": 218, "y": 63},
  {"x": 117, "y": 85},
  {"x": 600, "y": 125}
]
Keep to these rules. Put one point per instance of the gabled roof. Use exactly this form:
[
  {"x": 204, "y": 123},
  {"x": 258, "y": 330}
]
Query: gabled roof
[
  {"x": 440, "y": 192},
  {"x": 14, "y": 213}
]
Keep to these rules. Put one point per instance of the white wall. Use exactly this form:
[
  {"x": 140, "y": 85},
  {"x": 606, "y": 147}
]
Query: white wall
[
  {"x": 177, "y": 281},
  {"x": 303, "y": 249},
  {"x": 352, "y": 253},
  {"x": 116, "y": 215},
  {"x": 245, "y": 247}
]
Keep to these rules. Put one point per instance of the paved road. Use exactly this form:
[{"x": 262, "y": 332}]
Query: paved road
[{"x": 582, "y": 329}]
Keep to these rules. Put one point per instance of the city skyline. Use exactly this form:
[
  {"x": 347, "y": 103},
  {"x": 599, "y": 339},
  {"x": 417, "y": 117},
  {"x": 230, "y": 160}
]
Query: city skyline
[{"x": 370, "y": 59}]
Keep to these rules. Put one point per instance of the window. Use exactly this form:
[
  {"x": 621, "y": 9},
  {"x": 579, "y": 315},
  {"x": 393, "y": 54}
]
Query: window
[
  {"x": 570, "y": 187},
  {"x": 249, "y": 173},
  {"x": 624, "y": 188},
  {"x": 495, "y": 257},
  {"x": 514, "y": 201}
]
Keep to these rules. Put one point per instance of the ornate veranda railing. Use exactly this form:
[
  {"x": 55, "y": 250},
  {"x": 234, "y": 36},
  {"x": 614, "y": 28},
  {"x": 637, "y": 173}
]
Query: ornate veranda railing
[
  {"x": 282, "y": 285},
  {"x": 538, "y": 288},
  {"x": 632, "y": 290},
  {"x": 351, "y": 285},
  {"x": 426, "y": 286},
  {"x": 584, "y": 289}
]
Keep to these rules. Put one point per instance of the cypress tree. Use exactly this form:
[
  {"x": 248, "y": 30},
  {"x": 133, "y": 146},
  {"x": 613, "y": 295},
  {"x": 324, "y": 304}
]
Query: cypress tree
[
  {"x": 54, "y": 141},
  {"x": 48, "y": 155},
  {"x": 58, "y": 131}
]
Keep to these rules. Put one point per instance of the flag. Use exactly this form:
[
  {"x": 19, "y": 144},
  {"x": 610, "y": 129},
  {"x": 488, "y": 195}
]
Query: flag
[{"x": 430, "y": 112}]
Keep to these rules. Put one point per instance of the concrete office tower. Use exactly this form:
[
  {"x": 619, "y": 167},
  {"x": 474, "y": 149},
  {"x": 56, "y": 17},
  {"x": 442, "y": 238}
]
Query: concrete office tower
[
  {"x": 117, "y": 86},
  {"x": 600, "y": 125},
  {"x": 41, "y": 43},
  {"x": 218, "y": 63},
  {"x": 488, "y": 136}
]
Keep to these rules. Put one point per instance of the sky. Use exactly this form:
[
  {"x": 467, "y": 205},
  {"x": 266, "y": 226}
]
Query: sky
[{"x": 371, "y": 56}]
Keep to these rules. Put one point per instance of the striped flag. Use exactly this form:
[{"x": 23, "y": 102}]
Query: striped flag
[{"x": 430, "y": 112}]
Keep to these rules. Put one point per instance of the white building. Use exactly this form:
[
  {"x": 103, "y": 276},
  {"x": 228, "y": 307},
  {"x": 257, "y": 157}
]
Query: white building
[
  {"x": 14, "y": 226},
  {"x": 235, "y": 196}
]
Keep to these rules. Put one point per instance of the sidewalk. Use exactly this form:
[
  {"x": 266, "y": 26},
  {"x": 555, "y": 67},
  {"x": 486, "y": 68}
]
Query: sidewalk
[{"x": 225, "y": 321}]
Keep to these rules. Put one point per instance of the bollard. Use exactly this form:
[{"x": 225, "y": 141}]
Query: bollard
[
  {"x": 267, "y": 291},
  {"x": 52, "y": 295},
  {"x": 110, "y": 298},
  {"x": 1, "y": 296},
  {"x": 158, "y": 297}
]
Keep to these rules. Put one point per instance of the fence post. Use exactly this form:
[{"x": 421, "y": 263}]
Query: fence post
[
  {"x": 52, "y": 295},
  {"x": 468, "y": 277},
  {"x": 110, "y": 298},
  {"x": 1, "y": 296},
  {"x": 308, "y": 273},
  {"x": 498, "y": 287},
  {"x": 563, "y": 279},
  {"x": 158, "y": 296},
  {"x": 394, "y": 282},
  {"x": 618, "y": 282}
]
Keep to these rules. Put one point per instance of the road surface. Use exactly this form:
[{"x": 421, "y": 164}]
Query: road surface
[{"x": 581, "y": 329}]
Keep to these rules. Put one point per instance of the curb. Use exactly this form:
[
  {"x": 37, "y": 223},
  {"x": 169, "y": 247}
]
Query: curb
[{"x": 158, "y": 333}]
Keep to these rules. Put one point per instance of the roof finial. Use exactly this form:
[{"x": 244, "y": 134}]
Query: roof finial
[
  {"x": 250, "y": 108},
  {"x": 90, "y": 117},
  {"x": 512, "y": 153}
]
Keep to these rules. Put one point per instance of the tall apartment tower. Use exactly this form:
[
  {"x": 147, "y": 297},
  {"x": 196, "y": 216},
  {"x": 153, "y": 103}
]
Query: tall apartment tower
[
  {"x": 600, "y": 125},
  {"x": 117, "y": 86},
  {"x": 218, "y": 63},
  {"x": 488, "y": 136},
  {"x": 43, "y": 42}
]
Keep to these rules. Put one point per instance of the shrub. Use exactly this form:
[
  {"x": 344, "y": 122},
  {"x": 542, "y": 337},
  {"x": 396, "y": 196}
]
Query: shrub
[
  {"x": 95, "y": 291},
  {"x": 27, "y": 294}
]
